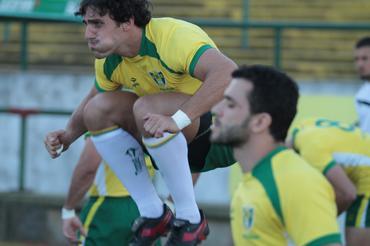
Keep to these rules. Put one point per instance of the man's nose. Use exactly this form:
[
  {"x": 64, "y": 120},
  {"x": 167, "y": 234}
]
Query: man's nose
[{"x": 89, "y": 33}]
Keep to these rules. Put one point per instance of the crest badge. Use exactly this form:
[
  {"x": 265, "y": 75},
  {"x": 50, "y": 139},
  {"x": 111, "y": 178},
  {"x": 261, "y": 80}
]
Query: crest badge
[
  {"x": 248, "y": 217},
  {"x": 158, "y": 78}
]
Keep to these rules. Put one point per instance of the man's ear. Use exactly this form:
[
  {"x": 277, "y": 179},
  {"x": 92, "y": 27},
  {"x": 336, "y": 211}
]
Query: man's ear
[
  {"x": 260, "y": 122},
  {"x": 127, "y": 25}
]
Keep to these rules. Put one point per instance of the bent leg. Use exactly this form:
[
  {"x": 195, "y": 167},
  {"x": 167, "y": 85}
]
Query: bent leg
[
  {"x": 170, "y": 152},
  {"x": 103, "y": 116},
  {"x": 110, "y": 109},
  {"x": 166, "y": 104}
]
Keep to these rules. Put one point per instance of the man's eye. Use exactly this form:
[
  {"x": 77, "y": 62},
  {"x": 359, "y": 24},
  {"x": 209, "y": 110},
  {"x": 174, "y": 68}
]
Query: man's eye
[{"x": 230, "y": 105}]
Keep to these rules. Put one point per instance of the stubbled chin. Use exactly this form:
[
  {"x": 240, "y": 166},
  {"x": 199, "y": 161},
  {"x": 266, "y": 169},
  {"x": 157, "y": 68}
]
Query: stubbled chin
[{"x": 98, "y": 55}]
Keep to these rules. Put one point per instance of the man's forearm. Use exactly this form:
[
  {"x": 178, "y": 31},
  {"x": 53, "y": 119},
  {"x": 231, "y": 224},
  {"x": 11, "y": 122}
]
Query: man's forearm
[
  {"x": 76, "y": 126},
  {"x": 80, "y": 184}
]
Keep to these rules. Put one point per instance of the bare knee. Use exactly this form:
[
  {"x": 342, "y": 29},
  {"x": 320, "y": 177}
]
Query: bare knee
[
  {"x": 141, "y": 107},
  {"x": 110, "y": 109},
  {"x": 96, "y": 113},
  {"x": 165, "y": 104}
]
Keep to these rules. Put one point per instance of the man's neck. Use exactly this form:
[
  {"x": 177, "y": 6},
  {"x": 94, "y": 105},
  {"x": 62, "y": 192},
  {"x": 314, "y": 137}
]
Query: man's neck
[
  {"x": 249, "y": 154},
  {"x": 133, "y": 43}
]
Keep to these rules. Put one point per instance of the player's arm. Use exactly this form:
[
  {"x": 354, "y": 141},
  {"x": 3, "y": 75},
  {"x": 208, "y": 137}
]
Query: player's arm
[
  {"x": 82, "y": 179},
  {"x": 76, "y": 126},
  {"x": 345, "y": 191},
  {"x": 83, "y": 175},
  {"x": 61, "y": 139},
  {"x": 214, "y": 69}
]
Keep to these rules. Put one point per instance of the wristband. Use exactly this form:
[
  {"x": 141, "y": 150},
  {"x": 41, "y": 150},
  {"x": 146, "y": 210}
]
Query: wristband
[
  {"x": 181, "y": 119},
  {"x": 68, "y": 213}
]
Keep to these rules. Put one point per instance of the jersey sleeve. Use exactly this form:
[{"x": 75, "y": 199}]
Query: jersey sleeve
[
  {"x": 310, "y": 212},
  {"x": 103, "y": 75},
  {"x": 184, "y": 47}
]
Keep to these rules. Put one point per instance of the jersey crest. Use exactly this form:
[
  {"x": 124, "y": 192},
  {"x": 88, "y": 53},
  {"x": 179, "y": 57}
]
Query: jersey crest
[
  {"x": 158, "y": 78},
  {"x": 248, "y": 222},
  {"x": 248, "y": 217}
]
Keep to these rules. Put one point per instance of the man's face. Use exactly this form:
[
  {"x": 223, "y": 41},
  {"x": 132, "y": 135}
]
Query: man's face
[
  {"x": 232, "y": 115},
  {"x": 362, "y": 62},
  {"x": 101, "y": 33}
]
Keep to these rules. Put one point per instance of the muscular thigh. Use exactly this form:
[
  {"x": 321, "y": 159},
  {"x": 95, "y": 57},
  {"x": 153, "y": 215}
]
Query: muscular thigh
[
  {"x": 163, "y": 103},
  {"x": 111, "y": 108}
]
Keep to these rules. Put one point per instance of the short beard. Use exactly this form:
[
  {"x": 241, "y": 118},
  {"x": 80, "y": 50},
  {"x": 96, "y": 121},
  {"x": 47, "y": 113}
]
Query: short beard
[
  {"x": 233, "y": 136},
  {"x": 365, "y": 77}
]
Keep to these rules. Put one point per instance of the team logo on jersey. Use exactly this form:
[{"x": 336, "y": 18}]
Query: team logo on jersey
[
  {"x": 248, "y": 217},
  {"x": 248, "y": 222},
  {"x": 158, "y": 77},
  {"x": 135, "y": 157},
  {"x": 133, "y": 82}
]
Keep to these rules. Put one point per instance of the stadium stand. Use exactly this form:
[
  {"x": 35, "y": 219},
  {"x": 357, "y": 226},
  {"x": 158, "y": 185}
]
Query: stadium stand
[{"x": 314, "y": 54}]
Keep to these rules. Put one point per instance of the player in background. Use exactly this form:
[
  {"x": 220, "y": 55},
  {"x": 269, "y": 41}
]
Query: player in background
[
  {"x": 362, "y": 98},
  {"x": 342, "y": 153},
  {"x": 109, "y": 213},
  {"x": 280, "y": 195}
]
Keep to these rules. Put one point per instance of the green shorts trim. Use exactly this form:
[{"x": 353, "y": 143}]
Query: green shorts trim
[
  {"x": 108, "y": 220},
  {"x": 219, "y": 155},
  {"x": 358, "y": 215}
]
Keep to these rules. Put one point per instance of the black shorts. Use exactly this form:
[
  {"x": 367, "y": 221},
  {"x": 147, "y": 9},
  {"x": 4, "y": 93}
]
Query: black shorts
[{"x": 204, "y": 156}]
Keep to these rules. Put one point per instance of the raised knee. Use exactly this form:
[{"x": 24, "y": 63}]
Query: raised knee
[
  {"x": 141, "y": 107},
  {"x": 95, "y": 111}
]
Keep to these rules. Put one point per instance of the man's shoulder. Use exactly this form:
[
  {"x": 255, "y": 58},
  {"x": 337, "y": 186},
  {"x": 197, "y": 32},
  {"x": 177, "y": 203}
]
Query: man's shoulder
[
  {"x": 168, "y": 21},
  {"x": 290, "y": 167},
  {"x": 166, "y": 25}
]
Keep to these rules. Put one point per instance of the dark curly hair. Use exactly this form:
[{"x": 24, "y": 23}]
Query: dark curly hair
[
  {"x": 119, "y": 10},
  {"x": 274, "y": 93},
  {"x": 363, "y": 42}
]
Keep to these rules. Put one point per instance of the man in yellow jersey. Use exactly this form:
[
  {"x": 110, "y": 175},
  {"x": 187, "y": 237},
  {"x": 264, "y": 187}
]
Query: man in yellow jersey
[
  {"x": 331, "y": 146},
  {"x": 110, "y": 211},
  {"x": 173, "y": 74},
  {"x": 281, "y": 196}
]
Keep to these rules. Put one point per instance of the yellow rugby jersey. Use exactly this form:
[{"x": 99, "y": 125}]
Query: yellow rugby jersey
[
  {"x": 106, "y": 183},
  {"x": 324, "y": 143},
  {"x": 169, "y": 52},
  {"x": 284, "y": 197}
]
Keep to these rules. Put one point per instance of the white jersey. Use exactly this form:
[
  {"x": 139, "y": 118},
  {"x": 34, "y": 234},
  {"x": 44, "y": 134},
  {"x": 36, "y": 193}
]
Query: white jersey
[{"x": 363, "y": 106}]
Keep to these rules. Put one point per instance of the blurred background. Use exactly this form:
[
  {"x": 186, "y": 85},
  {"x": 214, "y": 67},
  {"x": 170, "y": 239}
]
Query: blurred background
[{"x": 46, "y": 69}]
